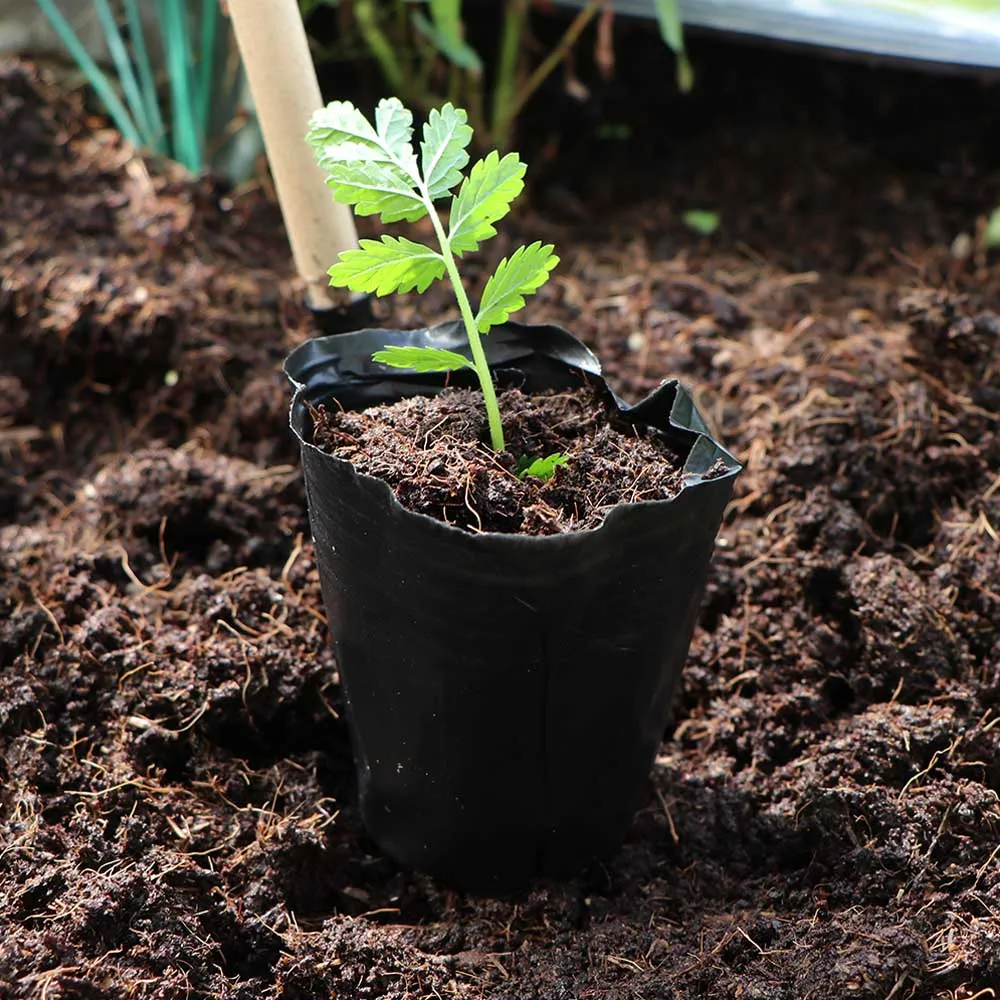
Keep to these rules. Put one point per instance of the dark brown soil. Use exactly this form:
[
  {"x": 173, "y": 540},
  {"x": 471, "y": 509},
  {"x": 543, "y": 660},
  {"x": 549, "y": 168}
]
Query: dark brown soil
[
  {"x": 435, "y": 456},
  {"x": 177, "y": 814}
]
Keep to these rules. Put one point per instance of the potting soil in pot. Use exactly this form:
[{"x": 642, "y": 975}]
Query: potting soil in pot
[{"x": 431, "y": 452}]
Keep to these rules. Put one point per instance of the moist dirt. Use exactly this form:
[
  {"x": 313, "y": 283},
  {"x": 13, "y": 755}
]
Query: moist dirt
[
  {"x": 177, "y": 816},
  {"x": 434, "y": 453}
]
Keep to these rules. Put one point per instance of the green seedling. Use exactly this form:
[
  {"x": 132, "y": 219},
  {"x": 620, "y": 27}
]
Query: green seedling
[
  {"x": 373, "y": 167},
  {"x": 540, "y": 468}
]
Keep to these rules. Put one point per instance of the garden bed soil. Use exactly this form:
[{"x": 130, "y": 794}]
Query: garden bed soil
[{"x": 178, "y": 809}]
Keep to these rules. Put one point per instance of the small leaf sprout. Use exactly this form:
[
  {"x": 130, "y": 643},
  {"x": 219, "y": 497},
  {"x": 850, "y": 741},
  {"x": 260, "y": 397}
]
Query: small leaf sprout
[{"x": 540, "y": 468}]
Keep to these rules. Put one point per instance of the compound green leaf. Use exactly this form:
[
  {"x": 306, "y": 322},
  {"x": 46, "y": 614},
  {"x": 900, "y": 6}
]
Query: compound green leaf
[
  {"x": 381, "y": 189},
  {"x": 443, "y": 150},
  {"x": 388, "y": 265},
  {"x": 340, "y": 132},
  {"x": 484, "y": 197},
  {"x": 421, "y": 359},
  {"x": 523, "y": 273}
]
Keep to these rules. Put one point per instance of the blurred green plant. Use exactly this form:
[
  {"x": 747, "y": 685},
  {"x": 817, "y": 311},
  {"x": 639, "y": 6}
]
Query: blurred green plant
[
  {"x": 195, "y": 108},
  {"x": 668, "y": 17},
  {"x": 991, "y": 231},
  {"x": 422, "y": 53},
  {"x": 701, "y": 220}
]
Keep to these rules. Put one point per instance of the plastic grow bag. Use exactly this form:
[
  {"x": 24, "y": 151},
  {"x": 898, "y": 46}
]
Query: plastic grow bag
[{"x": 505, "y": 694}]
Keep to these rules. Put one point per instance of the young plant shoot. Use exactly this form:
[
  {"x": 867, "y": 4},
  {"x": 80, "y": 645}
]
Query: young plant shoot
[
  {"x": 540, "y": 468},
  {"x": 374, "y": 168}
]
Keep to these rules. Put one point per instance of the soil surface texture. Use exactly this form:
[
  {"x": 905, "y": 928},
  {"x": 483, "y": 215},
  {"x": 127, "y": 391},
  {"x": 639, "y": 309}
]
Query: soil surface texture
[
  {"x": 177, "y": 815},
  {"x": 434, "y": 454}
]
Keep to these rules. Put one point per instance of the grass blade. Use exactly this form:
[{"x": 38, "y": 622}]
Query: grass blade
[
  {"x": 378, "y": 44},
  {"x": 505, "y": 88},
  {"x": 545, "y": 67},
  {"x": 669, "y": 18},
  {"x": 445, "y": 30},
  {"x": 177, "y": 45},
  {"x": 206, "y": 64},
  {"x": 95, "y": 76},
  {"x": 123, "y": 64},
  {"x": 151, "y": 99}
]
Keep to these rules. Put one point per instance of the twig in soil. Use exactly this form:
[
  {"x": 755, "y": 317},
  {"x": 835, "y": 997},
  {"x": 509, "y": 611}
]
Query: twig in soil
[
  {"x": 988, "y": 725},
  {"x": 248, "y": 676},
  {"x": 900, "y": 983},
  {"x": 17, "y": 437},
  {"x": 987, "y": 527},
  {"x": 422, "y": 444},
  {"x": 985, "y": 865},
  {"x": 333, "y": 712},
  {"x": 159, "y": 588},
  {"x": 472, "y": 510},
  {"x": 981, "y": 993},
  {"x": 698, "y": 730},
  {"x": 758, "y": 947},
  {"x": 892, "y": 701},
  {"x": 992, "y": 488},
  {"x": 327, "y": 817},
  {"x": 938, "y": 754},
  {"x": 935, "y": 840},
  {"x": 169, "y": 563},
  {"x": 250, "y": 635},
  {"x": 961, "y": 402},
  {"x": 281, "y": 627},
  {"x": 131, "y": 783},
  {"x": 626, "y": 963},
  {"x": 292, "y": 557},
  {"x": 141, "y": 722},
  {"x": 746, "y": 675},
  {"x": 46, "y": 978},
  {"x": 128, "y": 673},
  {"x": 674, "y": 836},
  {"x": 51, "y": 617},
  {"x": 968, "y": 532},
  {"x": 768, "y": 558},
  {"x": 380, "y": 910},
  {"x": 272, "y": 472}
]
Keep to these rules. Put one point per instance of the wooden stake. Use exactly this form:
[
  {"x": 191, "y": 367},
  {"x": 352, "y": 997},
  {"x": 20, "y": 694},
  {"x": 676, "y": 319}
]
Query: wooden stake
[{"x": 279, "y": 67}]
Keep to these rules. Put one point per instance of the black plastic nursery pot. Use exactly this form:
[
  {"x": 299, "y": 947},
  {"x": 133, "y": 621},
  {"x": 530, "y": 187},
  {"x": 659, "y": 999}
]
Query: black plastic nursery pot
[{"x": 506, "y": 694}]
